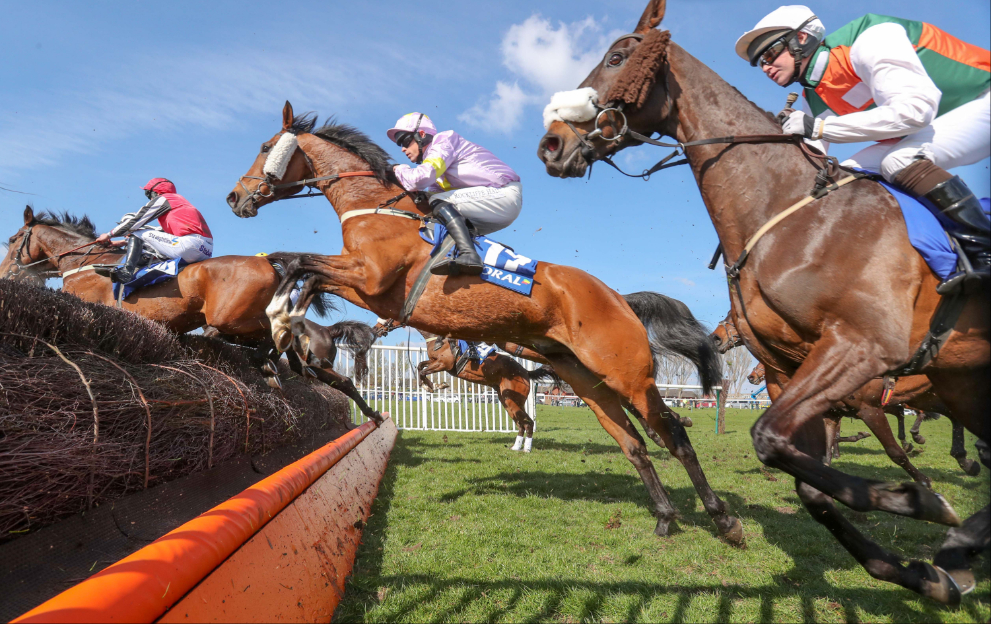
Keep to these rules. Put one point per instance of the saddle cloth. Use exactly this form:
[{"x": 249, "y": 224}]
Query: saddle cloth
[
  {"x": 149, "y": 275},
  {"x": 927, "y": 231},
  {"x": 503, "y": 266},
  {"x": 476, "y": 351}
]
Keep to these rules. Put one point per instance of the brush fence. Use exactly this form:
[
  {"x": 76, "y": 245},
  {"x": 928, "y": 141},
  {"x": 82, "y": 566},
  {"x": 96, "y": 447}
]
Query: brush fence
[{"x": 393, "y": 386}]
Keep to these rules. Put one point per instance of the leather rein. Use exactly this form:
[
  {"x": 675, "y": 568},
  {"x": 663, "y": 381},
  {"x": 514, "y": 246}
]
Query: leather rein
[{"x": 19, "y": 266}]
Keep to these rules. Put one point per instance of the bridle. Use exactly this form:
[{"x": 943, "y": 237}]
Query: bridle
[
  {"x": 270, "y": 182},
  {"x": 17, "y": 266},
  {"x": 732, "y": 335},
  {"x": 828, "y": 165}
]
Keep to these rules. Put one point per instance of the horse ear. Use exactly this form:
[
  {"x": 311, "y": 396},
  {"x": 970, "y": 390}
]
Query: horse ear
[
  {"x": 28, "y": 215},
  {"x": 651, "y": 17},
  {"x": 287, "y": 116}
]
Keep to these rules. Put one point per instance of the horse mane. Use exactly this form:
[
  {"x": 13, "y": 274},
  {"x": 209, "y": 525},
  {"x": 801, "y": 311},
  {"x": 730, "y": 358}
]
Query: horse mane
[
  {"x": 351, "y": 139},
  {"x": 82, "y": 226}
]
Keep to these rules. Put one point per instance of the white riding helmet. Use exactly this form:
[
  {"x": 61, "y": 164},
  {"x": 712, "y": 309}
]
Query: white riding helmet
[{"x": 779, "y": 23}]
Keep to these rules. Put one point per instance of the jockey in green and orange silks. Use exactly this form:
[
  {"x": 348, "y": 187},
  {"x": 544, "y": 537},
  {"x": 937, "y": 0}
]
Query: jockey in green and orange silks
[{"x": 921, "y": 93}]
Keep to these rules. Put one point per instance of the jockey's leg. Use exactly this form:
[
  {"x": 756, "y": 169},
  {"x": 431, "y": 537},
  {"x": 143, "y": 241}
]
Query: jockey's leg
[
  {"x": 918, "y": 164},
  {"x": 132, "y": 257},
  {"x": 195, "y": 248},
  {"x": 488, "y": 209},
  {"x": 467, "y": 261}
]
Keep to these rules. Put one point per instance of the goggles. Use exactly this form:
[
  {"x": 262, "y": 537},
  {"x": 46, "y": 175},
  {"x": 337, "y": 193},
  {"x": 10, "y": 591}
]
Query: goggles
[
  {"x": 773, "y": 51},
  {"x": 403, "y": 139}
]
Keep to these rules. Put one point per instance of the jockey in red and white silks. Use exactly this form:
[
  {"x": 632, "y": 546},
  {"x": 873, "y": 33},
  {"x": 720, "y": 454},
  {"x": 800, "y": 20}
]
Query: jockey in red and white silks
[
  {"x": 465, "y": 180},
  {"x": 184, "y": 232}
]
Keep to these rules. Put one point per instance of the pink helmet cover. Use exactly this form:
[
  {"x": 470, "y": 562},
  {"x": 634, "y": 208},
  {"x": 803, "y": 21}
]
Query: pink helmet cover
[{"x": 407, "y": 123}]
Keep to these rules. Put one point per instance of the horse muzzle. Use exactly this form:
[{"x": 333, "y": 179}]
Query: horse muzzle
[{"x": 562, "y": 158}]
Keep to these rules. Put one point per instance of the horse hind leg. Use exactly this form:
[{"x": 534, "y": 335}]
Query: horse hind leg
[
  {"x": 958, "y": 451},
  {"x": 915, "y": 428},
  {"x": 608, "y": 409},
  {"x": 512, "y": 394},
  {"x": 669, "y": 428}
]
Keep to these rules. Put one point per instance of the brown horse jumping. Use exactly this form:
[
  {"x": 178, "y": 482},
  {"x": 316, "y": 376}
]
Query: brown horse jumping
[
  {"x": 589, "y": 333},
  {"x": 228, "y": 294},
  {"x": 498, "y": 371},
  {"x": 832, "y": 297}
]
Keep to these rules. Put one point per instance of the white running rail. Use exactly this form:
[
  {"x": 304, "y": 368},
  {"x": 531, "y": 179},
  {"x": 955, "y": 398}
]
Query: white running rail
[{"x": 392, "y": 386}]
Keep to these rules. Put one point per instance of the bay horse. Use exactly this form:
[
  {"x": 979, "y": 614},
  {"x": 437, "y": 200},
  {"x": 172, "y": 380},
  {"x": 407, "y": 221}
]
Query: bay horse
[
  {"x": 588, "y": 332},
  {"x": 227, "y": 295},
  {"x": 832, "y": 297},
  {"x": 510, "y": 379}
]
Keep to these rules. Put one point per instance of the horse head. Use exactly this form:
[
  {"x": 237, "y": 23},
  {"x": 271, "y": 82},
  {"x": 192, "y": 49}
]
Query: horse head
[
  {"x": 279, "y": 164},
  {"x": 756, "y": 376},
  {"x": 626, "y": 91},
  {"x": 23, "y": 251},
  {"x": 725, "y": 336}
]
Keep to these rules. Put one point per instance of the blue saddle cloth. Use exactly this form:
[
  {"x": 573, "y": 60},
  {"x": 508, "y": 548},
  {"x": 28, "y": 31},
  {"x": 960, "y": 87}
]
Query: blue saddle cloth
[
  {"x": 503, "y": 266},
  {"x": 150, "y": 275},
  {"x": 477, "y": 351},
  {"x": 927, "y": 231}
]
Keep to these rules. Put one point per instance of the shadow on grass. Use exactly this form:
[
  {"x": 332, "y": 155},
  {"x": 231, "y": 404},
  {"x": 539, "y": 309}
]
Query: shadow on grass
[{"x": 372, "y": 595}]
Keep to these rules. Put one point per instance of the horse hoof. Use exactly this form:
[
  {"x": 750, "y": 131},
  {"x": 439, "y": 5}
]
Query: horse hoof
[
  {"x": 686, "y": 422},
  {"x": 664, "y": 527},
  {"x": 734, "y": 535},
  {"x": 918, "y": 439},
  {"x": 282, "y": 339},
  {"x": 908, "y": 447},
  {"x": 940, "y": 586},
  {"x": 970, "y": 467},
  {"x": 273, "y": 382},
  {"x": 947, "y": 515},
  {"x": 269, "y": 368}
]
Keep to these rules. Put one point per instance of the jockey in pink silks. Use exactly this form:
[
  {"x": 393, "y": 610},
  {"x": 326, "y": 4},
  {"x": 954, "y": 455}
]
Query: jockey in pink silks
[
  {"x": 184, "y": 232},
  {"x": 465, "y": 182}
]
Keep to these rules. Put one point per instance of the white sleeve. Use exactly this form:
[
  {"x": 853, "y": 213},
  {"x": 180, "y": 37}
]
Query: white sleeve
[
  {"x": 822, "y": 145},
  {"x": 905, "y": 95}
]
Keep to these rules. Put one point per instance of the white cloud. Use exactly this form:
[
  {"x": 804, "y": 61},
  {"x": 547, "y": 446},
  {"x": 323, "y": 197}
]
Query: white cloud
[
  {"x": 547, "y": 59},
  {"x": 501, "y": 113},
  {"x": 210, "y": 91}
]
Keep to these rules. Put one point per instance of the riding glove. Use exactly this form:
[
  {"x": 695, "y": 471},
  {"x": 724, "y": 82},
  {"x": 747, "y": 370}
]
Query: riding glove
[{"x": 806, "y": 125}]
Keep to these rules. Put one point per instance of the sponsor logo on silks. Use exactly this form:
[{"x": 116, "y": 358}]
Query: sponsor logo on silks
[{"x": 507, "y": 279}]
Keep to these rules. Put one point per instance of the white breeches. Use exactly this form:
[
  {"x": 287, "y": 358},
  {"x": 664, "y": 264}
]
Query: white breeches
[
  {"x": 489, "y": 209},
  {"x": 191, "y": 248},
  {"x": 960, "y": 137}
]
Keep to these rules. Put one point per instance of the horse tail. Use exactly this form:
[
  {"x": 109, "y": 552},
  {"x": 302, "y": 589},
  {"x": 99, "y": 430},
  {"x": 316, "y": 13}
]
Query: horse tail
[
  {"x": 544, "y": 372},
  {"x": 673, "y": 330},
  {"x": 357, "y": 338},
  {"x": 323, "y": 303}
]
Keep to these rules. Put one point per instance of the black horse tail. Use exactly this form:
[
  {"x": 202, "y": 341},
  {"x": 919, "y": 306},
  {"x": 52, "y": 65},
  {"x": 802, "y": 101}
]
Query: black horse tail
[
  {"x": 545, "y": 372},
  {"x": 357, "y": 338},
  {"x": 673, "y": 330},
  {"x": 323, "y": 303}
]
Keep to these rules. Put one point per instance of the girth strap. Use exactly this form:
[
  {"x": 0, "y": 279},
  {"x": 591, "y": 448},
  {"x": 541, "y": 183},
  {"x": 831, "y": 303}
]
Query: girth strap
[{"x": 421, "y": 280}]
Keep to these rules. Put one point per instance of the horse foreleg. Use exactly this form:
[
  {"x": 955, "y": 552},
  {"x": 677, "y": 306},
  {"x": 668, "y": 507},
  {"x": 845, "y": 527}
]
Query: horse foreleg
[
  {"x": 898, "y": 412},
  {"x": 959, "y": 452},
  {"x": 915, "y": 428},
  {"x": 513, "y": 392},
  {"x": 875, "y": 420},
  {"x": 339, "y": 382},
  {"x": 423, "y": 375},
  {"x": 831, "y": 423},
  {"x": 837, "y": 366},
  {"x": 962, "y": 544}
]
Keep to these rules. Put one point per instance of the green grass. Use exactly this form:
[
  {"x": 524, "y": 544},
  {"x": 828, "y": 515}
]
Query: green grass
[{"x": 465, "y": 530}]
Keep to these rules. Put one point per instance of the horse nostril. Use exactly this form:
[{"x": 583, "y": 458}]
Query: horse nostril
[
  {"x": 232, "y": 200},
  {"x": 553, "y": 144},
  {"x": 550, "y": 148}
]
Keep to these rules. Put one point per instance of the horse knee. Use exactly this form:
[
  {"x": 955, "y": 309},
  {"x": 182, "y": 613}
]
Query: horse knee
[{"x": 768, "y": 444}]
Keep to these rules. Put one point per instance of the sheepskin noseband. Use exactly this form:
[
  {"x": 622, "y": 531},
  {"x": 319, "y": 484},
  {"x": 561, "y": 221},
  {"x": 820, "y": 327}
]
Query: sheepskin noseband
[
  {"x": 278, "y": 159},
  {"x": 576, "y": 106}
]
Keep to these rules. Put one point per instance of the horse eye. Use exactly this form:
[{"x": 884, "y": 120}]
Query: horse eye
[
  {"x": 615, "y": 60},
  {"x": 266, "y": 148}
]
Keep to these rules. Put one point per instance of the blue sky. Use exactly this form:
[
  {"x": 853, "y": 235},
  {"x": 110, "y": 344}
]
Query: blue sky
[{"x": 99, "y": 97}]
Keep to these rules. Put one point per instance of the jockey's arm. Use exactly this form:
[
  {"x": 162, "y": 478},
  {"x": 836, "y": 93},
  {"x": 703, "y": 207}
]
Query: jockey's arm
[
  {"x": 152, "y": 210},
  {"x": 906, "y": 97},
  {"x": 822, "y": 145},
  {"x": 438, "y": 156}
]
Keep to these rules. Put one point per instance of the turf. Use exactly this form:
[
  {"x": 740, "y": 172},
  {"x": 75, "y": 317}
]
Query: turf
[{"x": 465, "y": 530}]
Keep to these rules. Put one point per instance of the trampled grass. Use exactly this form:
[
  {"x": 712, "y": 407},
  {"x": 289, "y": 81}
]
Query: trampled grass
[{"x": 465, "y": 530}]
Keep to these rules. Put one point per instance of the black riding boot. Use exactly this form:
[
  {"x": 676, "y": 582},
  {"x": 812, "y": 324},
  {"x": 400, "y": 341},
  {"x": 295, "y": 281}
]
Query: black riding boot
[
  {"x": 949, "y": 195},
  {"x": 466, "y": 261},
  {"x": 132, "y": 257}
]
